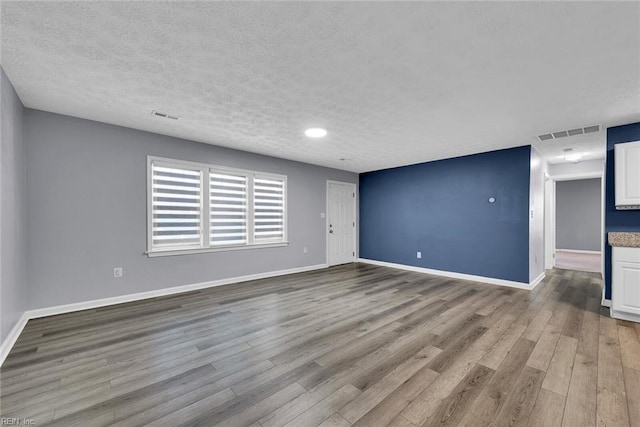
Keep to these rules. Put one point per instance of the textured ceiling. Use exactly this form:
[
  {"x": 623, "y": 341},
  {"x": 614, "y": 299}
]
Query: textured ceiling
[{"x": 393, "y": 83}]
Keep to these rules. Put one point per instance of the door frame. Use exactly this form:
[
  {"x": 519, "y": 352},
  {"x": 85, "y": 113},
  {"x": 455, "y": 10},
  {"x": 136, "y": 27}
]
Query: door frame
[
  {"x": 550, "y": 233},
  {"x": 355, "y": 218}
]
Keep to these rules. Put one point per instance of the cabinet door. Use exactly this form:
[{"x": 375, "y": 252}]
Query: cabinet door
[
  {"x": 627, "y": 175},
  {"x": 626, "y": 287}
]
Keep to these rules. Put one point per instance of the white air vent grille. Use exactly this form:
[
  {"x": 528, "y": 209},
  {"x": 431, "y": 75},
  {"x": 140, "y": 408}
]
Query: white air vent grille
[
  {"x": 164, "y": 115},
  {"x": 560, "y": 134},
  {"x": 570, "y": 132}
]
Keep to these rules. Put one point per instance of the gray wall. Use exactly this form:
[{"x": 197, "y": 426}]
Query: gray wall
[
  {"x": 86, "y": 207},
  {"x": 579, "y": 214},
  {"x": 13, "y": 203},
  {"x": 536, "y": 222}
]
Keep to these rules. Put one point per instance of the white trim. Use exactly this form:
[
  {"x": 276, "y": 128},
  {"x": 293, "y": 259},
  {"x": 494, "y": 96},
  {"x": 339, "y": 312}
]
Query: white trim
[
  {"x": 205, "y": 245},
  {"x": 605, "y": 302},
  {"x": 579, "y": 251},
  {"x": 603, "y": 214},
  {"x": 355, "y": 218},
  {"x": 463, "y": 276},
  {"x": 549, "y": 226},
  {"x": 11, "y": 339},
  {"x": 8, "y": 343},
  {"x": 68, "y": 308},
  {"x": 577, "y": 176},
  {"x": 535, "y": 282},
  {"x": 625, "y": 316},
  {"x": 572, "y": 177},
  {"x": 158, "y": 253}
]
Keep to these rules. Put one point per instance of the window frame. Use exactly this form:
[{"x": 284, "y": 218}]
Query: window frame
[{"x": 205, "y": 213}]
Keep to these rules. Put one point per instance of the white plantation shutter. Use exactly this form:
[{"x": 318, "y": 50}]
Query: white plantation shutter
[
  {"x": 228, "y": 208},
  {"x": 194, "y": 207},
  {"x": 176, "y": 206},
  {"x": 268, "y": 209}
]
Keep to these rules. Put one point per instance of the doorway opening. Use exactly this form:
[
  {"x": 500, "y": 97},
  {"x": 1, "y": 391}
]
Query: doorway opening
[{"x": 575, "y": 225}]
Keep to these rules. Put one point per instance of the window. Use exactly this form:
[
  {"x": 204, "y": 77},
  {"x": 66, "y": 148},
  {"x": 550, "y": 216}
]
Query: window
[
  {"x": 176, "y": 207},
  {"x": 228, "y": 210},
  {"x": 195, "y": 207},
  {"x": 268, "y": 209}
]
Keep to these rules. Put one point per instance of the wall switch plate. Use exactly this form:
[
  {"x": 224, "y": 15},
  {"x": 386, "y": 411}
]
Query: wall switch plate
[
  {"x": 419, "y": 255},
  {"x": 322, "y": 215},
  {"x": 117, "y": 272},
  {"x": 305, "y": 249}
]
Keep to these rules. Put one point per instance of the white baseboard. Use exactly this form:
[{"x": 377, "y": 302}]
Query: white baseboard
[
  {"x": 11, "y": 339},
  {"x": 85, "y": 305},
  {"x": 605, "y": 302},
  {"x": 535, "y": 282},
  {"x": 579, "y": 251},
  {"x": 625, "y": 316},
  {"x": 453, "y": 275},
  {"x": 8, "y": 343}
]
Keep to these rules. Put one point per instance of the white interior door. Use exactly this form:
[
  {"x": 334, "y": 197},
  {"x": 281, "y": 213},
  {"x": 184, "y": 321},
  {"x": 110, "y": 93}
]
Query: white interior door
[{"x": 341, "y": 223}]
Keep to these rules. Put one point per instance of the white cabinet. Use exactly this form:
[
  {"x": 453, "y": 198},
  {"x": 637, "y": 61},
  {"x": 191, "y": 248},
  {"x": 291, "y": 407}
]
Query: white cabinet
[
  {"x": 625, "y": 283},
  {"x": 627, "y": 179}
]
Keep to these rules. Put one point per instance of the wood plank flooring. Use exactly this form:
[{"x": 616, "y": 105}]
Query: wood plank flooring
[
  {"x": 569, "y": 260},
  {"x": 350, "y": 345}
]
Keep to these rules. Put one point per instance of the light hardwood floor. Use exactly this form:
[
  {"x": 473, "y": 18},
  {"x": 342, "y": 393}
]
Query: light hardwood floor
[
  {"x": 355, "y": 344},
  {"x": 569, "y": 260}
]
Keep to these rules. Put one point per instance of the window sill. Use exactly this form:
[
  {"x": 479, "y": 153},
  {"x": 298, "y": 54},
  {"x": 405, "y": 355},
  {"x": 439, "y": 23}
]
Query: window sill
[{"x": 160, "y": 253}]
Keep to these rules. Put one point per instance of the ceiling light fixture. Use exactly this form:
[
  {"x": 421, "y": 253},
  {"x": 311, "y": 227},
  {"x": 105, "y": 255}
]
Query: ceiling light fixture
[
  {"x": 315, "y": 132},
  {"x": 573, "y": 158},
  {"x": 164, "y": 115}
]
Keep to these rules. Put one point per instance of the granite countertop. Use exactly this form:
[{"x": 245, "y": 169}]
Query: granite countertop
[{"x": 623, "y": 239}]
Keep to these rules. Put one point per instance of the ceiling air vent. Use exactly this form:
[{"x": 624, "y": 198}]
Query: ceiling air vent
[
  {"x": 570, "y": 132},
  {"x": 163, "y": 115},
  {"x": 560, "y": 134}
]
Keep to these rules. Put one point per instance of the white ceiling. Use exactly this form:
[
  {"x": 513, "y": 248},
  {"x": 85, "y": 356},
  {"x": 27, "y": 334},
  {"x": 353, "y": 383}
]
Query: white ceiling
[
  {"x": 393, "y": 83},
  {"x": 591, "y": 146}
]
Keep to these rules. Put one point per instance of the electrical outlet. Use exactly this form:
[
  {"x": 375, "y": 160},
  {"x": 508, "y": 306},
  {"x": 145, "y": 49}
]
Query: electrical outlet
[
  {"x": 322, "y": 215},
  {"x": 305, "y": 249},
  {"x": 117, "y": 272},
  {"x": 419, "y": 255}
]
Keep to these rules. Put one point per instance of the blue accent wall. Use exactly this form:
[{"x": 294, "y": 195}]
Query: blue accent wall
[
  {"x": 441, "y": 209},
  {"x": 615, "y": 220}
]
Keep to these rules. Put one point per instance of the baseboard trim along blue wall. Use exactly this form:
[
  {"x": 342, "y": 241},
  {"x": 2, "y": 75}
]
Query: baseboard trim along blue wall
[
  {"x": 460, "y": 276},
  {"x": 616, "y": 220},
  {"x": 442, "y": 210}
]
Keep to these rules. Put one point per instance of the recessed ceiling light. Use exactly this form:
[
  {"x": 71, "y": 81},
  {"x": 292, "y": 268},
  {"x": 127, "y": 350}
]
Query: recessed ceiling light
[
  {"x": 573, "y": 158},
  {"x": 315, "y": 132}
]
